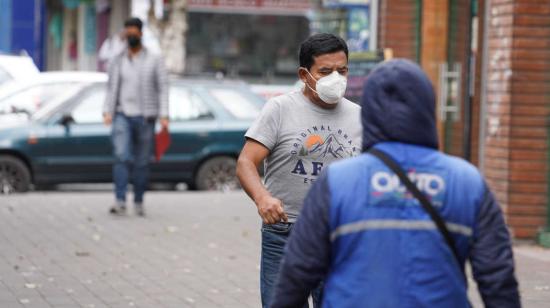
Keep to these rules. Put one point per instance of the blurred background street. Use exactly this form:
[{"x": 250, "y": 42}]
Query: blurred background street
[{"x": 62, "y": 249}]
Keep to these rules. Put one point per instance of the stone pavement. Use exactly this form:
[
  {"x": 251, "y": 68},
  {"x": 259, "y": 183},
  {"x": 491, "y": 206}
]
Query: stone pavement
[{"x": 62, "y": 249}]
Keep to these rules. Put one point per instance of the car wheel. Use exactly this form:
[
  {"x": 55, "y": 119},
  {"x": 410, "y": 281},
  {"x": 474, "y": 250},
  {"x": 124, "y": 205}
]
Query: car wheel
[
  {"x": 14, "y": 175},
  {"x": 217, "y": 173}
]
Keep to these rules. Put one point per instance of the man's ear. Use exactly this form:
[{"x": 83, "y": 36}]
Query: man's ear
[{"x": 302, "y": 74}]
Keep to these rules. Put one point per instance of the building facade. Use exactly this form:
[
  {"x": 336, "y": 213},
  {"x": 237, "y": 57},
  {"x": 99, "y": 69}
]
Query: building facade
[{"x": 489, "y": 61}]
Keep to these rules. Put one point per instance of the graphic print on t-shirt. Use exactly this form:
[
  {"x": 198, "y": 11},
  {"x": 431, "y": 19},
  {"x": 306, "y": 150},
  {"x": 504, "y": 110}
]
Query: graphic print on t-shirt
[{"x": 317, "y": 146}]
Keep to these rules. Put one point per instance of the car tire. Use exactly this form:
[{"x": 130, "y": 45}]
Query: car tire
[
  {"x": 14, "y": 175},
  {"x": 218, "y": 173}
]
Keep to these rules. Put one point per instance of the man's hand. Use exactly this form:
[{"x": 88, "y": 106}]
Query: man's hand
[
  {"x": 271, "y": 210},
  {"x": 164, "y": 123},
  {"x": 107, "y": 119}
]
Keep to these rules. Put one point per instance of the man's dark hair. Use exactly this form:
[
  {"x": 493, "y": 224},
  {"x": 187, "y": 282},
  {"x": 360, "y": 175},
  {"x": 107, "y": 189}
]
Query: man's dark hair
[
  {"x": 133, "y": 22},
  {"x": 320, "y": 44}
]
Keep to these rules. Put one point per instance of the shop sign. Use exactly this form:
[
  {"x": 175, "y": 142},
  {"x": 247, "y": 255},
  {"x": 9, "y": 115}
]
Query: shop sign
[
  {"x": 359, "y": 32},
  {"x": 344, "y": 3},
  {"x": 250, "y": 6}
]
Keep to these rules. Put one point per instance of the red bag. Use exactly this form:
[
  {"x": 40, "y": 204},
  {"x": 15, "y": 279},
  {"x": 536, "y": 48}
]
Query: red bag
[{"x": 162, "y": 143}]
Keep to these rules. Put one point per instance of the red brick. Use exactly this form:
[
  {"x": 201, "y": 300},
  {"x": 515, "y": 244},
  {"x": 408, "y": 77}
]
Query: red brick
[
  {"x": 501, "y": 53},
  {"x": 527, "y": 199},
  {"x": 537, "y": 110},
  {"x": 531, "y": 32},
  {"x": 500, "y": 32},
  {"x": 530, "y": 99},
  {"x": 528, "y": 76},
  {"x": 496, "y": 174},
  {"x": 499, "y": 86},
  {"x": 535, "y": 65},
  {"x": 521, "y": 232},
  {"x": 500, "y": 2},
  {"x": 532, "y": 2},
  {"x": 528, "y": 165},
  {"x": 535, "y": 43},
  {"x": 500, "y": 42},
  {"x": 529, "y": 121},
  {"x": 527, "y": 154},
  {"x": 495, "y": 152},
  {"x": 526, "y": 221},
  {"x": 500, "y": 186},
  {"x": 501, "y": 21},
  {"x": 528, "y": 210},
  {"x": 406, "y": 28},
  {"x": 502, "y": 65},
  {"x": 528, "y": 176},
  {"x": 535, "y": 188},
  {"x": 397, "y": 27},
  {"x": 532, "y": 20},
  {"x": 528, "y": 144},
  {"x": 502, "y": 10},
  {"x": 541, "y": 8},
  {"x": 531, "y": 132},
  {"x": 497, "y": 107},
  {"x": 530, "y": 86},
  {"x": 499, "y": 143},
  {"x": 501, "y": 97},
  {"x": 497, "y": 163}
]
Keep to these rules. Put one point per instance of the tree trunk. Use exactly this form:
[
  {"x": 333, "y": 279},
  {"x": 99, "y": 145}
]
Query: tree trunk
[{"x": 171, "y": 31}]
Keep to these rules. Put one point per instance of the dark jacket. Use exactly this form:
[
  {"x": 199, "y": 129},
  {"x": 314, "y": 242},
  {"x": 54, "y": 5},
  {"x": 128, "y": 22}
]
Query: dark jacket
[{"x": 371, "y": 242}]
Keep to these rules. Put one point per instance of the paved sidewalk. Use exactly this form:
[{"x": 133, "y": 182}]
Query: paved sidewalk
[{"x": 62, "y": 249}]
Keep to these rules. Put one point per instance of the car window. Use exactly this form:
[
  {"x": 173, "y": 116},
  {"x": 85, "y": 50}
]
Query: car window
[
  {"x": 34, "y": 97},
  {"x": 186, "y": 105},
  {"x": 239, "y": 104},
  {"x": 88, "y": 110}
]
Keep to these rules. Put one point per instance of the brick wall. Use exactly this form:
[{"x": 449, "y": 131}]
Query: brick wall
[
  {"x": 518, "y": 109},
  {"x": 458, "y": 45},
  {"x": 435, "y": 30},
  {"x": 476, "y": 103},
  {"x": 398, "y": 26}
]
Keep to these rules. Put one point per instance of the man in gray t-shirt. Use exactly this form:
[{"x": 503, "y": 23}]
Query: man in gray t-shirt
[{"x": 297, "y": 135}]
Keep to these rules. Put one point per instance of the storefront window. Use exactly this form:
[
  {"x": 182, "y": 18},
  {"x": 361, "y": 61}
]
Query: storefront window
[{"x": 240, "y": 45}]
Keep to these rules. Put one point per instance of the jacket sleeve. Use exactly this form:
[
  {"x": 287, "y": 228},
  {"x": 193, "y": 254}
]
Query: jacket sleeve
[
  {"x": 492, "y": 258},
  {"x": 110, "y": 98},
  {"x": 307, "y": 253},
  {"x": 163, "y": 87}
]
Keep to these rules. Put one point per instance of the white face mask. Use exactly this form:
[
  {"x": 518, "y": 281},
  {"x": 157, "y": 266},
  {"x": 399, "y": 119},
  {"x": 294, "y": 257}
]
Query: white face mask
[{"x": 330, "y": 88}]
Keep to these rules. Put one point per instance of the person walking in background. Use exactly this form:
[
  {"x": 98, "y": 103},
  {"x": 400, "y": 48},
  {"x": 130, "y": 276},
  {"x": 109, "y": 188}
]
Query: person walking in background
[
  {"x": 111, "y": 48},
  {"x": 298, "y": 134},
  {"x": 137, "y": 95},
  {"x": 378, "y": 240}
]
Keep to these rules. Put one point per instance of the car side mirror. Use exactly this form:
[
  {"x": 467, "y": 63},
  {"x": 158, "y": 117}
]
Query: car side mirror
[{"x": 66, "y": 120}]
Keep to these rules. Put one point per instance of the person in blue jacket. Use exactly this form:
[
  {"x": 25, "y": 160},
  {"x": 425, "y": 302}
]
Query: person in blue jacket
[{"x": 371, "y": 242}]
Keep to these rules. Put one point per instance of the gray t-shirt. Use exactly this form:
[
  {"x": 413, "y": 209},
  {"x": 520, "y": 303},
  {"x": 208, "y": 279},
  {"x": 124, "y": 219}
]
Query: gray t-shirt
[
  {"x": 303, "y": 138},
  {"x": 130, "y": 104}
]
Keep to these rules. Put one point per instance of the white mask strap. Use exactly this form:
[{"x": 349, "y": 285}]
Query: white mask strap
[{"x": 313, "y": 79}]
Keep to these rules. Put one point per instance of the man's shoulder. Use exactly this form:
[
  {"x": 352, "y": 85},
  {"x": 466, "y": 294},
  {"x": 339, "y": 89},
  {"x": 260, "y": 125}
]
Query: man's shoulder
[
  {"x": 350, "y": 106},
  {"x": 282, "y": 101},
  {"x": 286, "y": 98}
]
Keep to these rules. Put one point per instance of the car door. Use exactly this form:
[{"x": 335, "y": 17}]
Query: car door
[
  {"x": 192, "y": 121},
  {"x": 80, "y": 146}
]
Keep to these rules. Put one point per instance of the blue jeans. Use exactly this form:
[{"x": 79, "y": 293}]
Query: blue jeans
[
  {"x": 274, "y": 238},
  {"x": 133, "y": 139}
]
